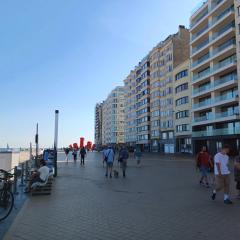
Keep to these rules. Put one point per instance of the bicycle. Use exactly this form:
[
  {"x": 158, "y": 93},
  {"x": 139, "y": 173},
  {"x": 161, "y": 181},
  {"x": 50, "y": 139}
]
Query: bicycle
[{"x": 6, "y": 195}]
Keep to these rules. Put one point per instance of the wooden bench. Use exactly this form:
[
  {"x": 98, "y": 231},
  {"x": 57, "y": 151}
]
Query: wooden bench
[{"x": 43, "y": 188}]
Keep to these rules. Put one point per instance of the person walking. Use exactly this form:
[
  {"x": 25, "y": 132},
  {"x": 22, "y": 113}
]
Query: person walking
[
  {"x": 74, "y": 153},
  {"x": 222, "y": 174},
  {"x": 203, "y": 161},
  {"x": 105, "y": 149},
  {"x": 82, "y": 154},
  {"x": 122, "y": 158},
  {"x": 237, "y": 174},
  {"x": 138, "y": 155},
  {"x": 109, "y": 158},
  {"x": 66, "y": 150}
]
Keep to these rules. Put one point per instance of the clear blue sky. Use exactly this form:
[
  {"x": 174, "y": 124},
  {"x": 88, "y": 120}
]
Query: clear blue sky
[{"x": 68, "y": 55}]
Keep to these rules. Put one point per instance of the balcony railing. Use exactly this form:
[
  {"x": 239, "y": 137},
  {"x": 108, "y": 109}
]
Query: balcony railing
[
  {"x": 201, "y": 74},
  {"x": 216, "y": 67},
  {"x": 225, "y": 45},
  {"x": 222, "y": 14},
  {"x": 231, "y": 42},
  {"x": 203, "y": 103},
  {"x": 215, "y": 4},
  {"x": 225, "y": 63},
  {"x": 201, "y": 45},
  {"x": 223, "y": 30},
  {"x": 216, "y": 132},
  {"x": 211, "y": 116},
  {"x": 202, "y": 89},
  {"x": 225, "y": 79},
  {"x": 200, "y": 32},
  {"x": 207, "y": 117},
  {"x": 225, "y": 97}
]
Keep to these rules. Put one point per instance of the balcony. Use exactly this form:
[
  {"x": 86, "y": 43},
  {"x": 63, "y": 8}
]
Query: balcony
[
  {"x": 201, "y": 60},
  {"x": 228, "y": 61},
  {"x": 216, "y": 51},
  {"x": 210, "y": 71},
  {"x": 225, "y": 79},
  {"x": 216, "y": 132},
  {"x": 202, "y": 89},
  {"x": 215, "y": 117},
  {"x": 202, "y": 74},
  {"x": 215, "y": 4},
  {"x": 225, "y": 45},
  {"x": 200, "y": 46},
  {"x": 222, "y": 15},
  {"x": 223, "y": 30},
  {"x": 226, "y": 97},
  {"x": 207, "y": 117},
  {"x": 194, "y": 36},
  {"x": 205, "y": 103}
]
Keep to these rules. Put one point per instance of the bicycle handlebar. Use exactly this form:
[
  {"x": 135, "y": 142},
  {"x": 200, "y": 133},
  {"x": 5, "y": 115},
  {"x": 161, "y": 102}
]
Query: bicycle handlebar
[{"x": 7, "y": 174}]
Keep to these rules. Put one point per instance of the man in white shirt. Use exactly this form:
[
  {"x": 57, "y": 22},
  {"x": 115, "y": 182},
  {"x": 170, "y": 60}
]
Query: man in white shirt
[
  {"x": 40, "y": 175},
  {"x": 222, "y": 174}
]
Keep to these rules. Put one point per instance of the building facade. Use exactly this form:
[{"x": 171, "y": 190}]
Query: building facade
[
  {"x": 113, "y": 118},
  {"x": 215, "y": 91},
  {"x": 130, "y": 131},
  {"x": 182, "y": 109},
  {"x": 163, "y": 59},
  {"x": 98, "y": 124},
  {"x": 142, "y": 79}
]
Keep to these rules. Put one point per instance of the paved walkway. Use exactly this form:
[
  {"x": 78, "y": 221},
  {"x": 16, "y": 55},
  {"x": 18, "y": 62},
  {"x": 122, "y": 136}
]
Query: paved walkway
[{"x": 161, "y": 200}]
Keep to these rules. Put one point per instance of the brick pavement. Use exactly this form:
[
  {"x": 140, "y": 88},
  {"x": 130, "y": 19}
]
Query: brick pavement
[{"x": 161, "y": 200}]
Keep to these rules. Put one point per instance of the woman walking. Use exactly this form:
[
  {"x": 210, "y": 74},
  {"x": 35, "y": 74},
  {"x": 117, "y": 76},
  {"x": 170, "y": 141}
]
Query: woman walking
[
  {"x": 122, "y": 158},
  {"x": 138, "y": 155}
]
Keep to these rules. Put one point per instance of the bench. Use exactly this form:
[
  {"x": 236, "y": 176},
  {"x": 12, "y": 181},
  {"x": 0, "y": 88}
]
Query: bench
[{"x": 43, "y": 188}]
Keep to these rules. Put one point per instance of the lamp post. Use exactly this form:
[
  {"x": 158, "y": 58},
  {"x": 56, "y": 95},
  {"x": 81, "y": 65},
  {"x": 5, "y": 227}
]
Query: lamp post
[{"x": 55, "y": 142}]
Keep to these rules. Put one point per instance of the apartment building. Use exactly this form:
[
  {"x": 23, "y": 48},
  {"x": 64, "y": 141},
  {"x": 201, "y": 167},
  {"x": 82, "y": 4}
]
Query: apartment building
[
  {"x": 215, "y": 92},
  {"x": 113, "y": 118},
  {"x": 98, "y": 124},
  {"x": 163, "y": 59},
  {"x": 182, "y": 107},
  {"x": 130, "y": 131},
  {"x": 142, "y": 79}
]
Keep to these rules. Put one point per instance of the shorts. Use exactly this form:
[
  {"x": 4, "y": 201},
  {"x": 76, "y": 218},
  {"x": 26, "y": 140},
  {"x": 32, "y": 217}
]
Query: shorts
[
  {"x": 204, "y": 170},
  {"x": 109, "y": 164}
]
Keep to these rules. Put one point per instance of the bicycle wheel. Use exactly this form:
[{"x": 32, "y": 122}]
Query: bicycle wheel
[{"x": 6, "y": 204}]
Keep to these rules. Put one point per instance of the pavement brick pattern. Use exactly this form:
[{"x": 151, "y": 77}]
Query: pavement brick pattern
[{"x": 160, "y": 200}]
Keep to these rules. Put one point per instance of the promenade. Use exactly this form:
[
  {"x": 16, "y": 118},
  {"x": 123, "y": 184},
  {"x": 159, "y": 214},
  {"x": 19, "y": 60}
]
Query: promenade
[{"x": 160, "y": 200}]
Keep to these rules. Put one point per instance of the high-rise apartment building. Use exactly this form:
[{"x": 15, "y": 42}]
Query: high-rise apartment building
[
  {"x": 163, "y": 59},
  {"x": 98, "y": 124},
  {"x": 130, "y": 131},
  {"x": 142, "y": 79},
  {"x": 214, "y": 75},
  {"x": 182, "y": 107},
  {"x": 113, "y": 118}
]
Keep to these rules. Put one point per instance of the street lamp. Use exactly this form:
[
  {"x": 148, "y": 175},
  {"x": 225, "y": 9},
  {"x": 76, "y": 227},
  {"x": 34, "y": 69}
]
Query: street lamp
[{"x": 55, "y": 142}]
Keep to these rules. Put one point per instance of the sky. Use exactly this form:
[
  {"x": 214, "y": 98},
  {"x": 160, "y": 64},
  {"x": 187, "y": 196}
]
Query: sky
[{"x": 68, "y": 55}]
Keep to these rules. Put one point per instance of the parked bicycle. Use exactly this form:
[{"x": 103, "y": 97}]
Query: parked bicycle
[{"x": 6, "y": 195}]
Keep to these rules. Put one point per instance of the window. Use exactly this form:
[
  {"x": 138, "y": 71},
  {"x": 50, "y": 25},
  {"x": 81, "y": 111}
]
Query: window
[
  {"x": 182, "y": 114},
  {"x": 164, "y": 135},
  {"x": 181, "y": 74},
  {"x": 183, "y": 128},
  {"x": 181, "y": 88},
  {"x": 238, "y": 9},
  {"x": 181, "y": 101}
]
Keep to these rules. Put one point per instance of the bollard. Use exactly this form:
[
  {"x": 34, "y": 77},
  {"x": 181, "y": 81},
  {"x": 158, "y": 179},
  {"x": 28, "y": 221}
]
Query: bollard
[
  {"x": 22, "y": 175},
  {"x": 15, "y": 181}
]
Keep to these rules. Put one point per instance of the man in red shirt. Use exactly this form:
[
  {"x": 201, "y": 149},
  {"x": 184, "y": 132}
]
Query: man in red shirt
[{"x": 203, "y": 163}]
